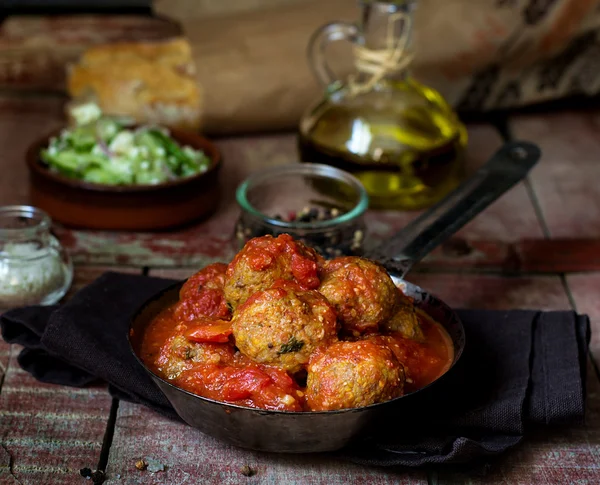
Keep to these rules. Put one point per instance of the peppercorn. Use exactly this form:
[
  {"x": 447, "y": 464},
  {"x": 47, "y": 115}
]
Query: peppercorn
[
  {"x": 345, "y": 239},
  {"x": 247, "y": 471}
]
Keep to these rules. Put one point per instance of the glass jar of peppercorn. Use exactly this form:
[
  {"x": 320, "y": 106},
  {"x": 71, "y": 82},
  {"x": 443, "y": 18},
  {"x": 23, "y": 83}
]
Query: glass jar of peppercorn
[{"x": 319, "y": 205}]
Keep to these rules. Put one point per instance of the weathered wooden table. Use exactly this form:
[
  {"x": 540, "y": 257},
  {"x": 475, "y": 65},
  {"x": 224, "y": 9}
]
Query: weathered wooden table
[{"x": 537, "y": 247}]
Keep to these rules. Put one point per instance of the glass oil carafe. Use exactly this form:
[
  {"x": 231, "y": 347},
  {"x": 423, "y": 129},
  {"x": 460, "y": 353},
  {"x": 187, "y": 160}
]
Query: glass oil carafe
[{"x": 401, "y": 139}]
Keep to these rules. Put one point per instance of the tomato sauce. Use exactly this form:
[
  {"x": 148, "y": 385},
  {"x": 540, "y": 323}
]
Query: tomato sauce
[
  {"x": 245, "y": 384},
  {"x": 426, "y": 361},
  {"x": 234, "y": 379},
  {"x": 191, "y": 343},
  {"x": 240, "y": 381},
  {"x": 158, "y": 332}
]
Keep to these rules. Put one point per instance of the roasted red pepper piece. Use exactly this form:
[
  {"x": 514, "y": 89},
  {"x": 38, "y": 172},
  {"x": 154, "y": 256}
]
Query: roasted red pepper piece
[
  {"x": 209, "y": 331},
  {"x": 245, "y": 383},
  {"x": 280, "y": 378}
]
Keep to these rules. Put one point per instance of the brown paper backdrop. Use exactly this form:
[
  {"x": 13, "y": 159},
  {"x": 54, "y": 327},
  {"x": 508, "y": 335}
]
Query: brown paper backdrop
[
  {"x": 251, "y": 61},
  {"x": 481, "y": 55},
  {"x": 252, "y": 65}
]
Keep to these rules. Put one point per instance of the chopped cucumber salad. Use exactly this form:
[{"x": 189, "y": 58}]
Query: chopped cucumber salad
[{"x": 108, "y": 150}]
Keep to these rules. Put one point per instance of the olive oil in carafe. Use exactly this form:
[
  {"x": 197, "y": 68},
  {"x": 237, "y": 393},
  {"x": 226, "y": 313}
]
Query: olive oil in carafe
[{"x": 404, "y": 143}]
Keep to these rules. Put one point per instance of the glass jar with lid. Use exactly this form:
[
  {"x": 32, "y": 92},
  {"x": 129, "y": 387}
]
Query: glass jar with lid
[
  {"x": 34, "y": 267},
  {"x": 400, "y": 138}
]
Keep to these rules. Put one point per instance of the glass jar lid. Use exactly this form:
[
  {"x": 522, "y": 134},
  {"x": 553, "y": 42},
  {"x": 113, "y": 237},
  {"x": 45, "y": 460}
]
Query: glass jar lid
[
  {"x": 292, "y": 186},
  {"x": 18, "y": 222}
]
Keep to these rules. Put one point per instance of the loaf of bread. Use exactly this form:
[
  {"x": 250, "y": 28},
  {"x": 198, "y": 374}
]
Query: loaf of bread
[{"x": 151, "y": 82}]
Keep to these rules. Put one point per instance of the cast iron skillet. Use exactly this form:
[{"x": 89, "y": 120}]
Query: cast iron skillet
[{"x": 303, "y": 432}]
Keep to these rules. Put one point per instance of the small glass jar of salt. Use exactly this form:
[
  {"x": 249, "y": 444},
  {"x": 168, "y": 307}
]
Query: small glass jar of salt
[{"x": 34, "y": 268}]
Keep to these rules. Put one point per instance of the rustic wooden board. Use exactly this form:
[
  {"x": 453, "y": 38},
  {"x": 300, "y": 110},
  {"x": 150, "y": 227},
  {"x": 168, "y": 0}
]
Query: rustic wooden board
[
  {"x": 494, "y": 292},
  {"x": 49, "y": 432},
  {"x": 84, "y": 275},
  {"x": 585, "y": 289},
  {"x": 509, "y": 219},
  {"x": 565, "y": 181},
  {"x": 524, "y": 256},
  {"x": 4, "y": 357},
  {"x": 192, "y": 457},
  {"x": 559, "y": 255}
]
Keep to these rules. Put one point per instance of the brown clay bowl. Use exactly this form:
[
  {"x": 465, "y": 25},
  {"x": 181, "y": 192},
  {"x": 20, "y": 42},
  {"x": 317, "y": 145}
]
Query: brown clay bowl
[{"x": 132, "y": 207}]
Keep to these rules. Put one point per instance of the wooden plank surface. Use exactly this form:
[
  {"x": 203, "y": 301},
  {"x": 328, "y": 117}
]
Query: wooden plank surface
[
  {"x": 493, "y": 292},
  {"x": 53, "y": 431},
  {"x": 505, "y": 237},
  {"x": 523, "y": 256},
  {"x": 585, "y": 289},
  {"x": 84, "y": 275},
  {"x": 192, "y": 457},
  {"x": 509, "y": 219},
  {"x": 565, "y": 180},
  {"x": 4, "y": 358},
  {"x": 49, "y": 432}
]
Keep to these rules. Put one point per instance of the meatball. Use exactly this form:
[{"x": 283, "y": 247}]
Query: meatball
[
  {"x": 211, "y": 277},
  {"x": 361, "y": 291},
  {"x": 264, "y": 260},
  {"x": 283, "y": 325},
  {"x": 353, "y": 374},
  {"x": 178, "y": 354},
  {"x": 405, "y": 320},
  {"x": 202, "y": 295}
]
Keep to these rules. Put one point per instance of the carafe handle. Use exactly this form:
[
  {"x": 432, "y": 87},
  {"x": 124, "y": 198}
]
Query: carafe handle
[{"x": 318, "y": 43}]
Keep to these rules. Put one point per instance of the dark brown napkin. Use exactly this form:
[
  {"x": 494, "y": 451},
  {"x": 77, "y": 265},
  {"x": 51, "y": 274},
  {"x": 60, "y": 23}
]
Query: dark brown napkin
[{"x": 520, "y": 369}]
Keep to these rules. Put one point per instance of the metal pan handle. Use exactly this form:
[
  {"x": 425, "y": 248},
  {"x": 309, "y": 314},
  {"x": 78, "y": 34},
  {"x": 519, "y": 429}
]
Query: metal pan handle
[{"x": 509, "y": 165}]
